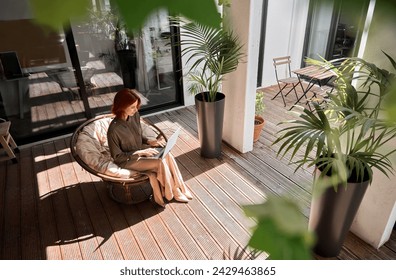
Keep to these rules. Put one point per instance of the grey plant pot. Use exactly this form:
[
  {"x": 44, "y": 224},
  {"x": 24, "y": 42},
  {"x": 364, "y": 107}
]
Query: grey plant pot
[
  {"x": 332, "y": 214},
  {"x": 210, "y": 116}
]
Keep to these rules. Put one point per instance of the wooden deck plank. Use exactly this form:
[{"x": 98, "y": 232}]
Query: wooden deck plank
[
  {"x": 102, "y": 230},
  {"x": 68, "y": 110},
  {"x": 204, "y": 200},
  {"x": 77, "y": 106},
  {"x": 186, "y": 164},
  {"x": 46, "y": 218},
  {"x": 104, "y": 241},
  {"x": 142, "y": 234},
  {"x": 219, "y": 225},
  {"x": 34, "y": 114},
  {"x": 267, "y": 152},
  {"x": 165, "y": 237},
  {"x": 122, "y": 233},
  {"x": 51, "y": 112},
  {"x": 391, "y": 244},
  {"x": 363, "y": 251},
  {"x": 203, "y": 229},
  {"x": 189, "y": 233},
  {"x": 84, "y": 181},
  {"x": 59, "y": 109},
  {"x": 3, "y": 180},
  {"x": 12, "y": 209},
  {"x": 63, "y": 216},
  {"x": 79, "y": 213},
  {"x": 221, "y": 193},
  {"x": 30, "y": 231}
]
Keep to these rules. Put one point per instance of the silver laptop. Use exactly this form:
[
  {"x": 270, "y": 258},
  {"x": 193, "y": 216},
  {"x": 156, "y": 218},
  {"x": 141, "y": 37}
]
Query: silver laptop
[{"x": 163, "y": 151}]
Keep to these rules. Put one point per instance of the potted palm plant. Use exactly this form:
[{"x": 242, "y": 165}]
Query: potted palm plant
[
  {"x": 212, "y": 52},
  {"x": 258, "y": 118},
  {"x": 349, "y": 134}
]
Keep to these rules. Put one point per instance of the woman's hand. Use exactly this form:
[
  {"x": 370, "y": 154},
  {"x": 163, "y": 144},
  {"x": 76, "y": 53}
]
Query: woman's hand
[
  {"x": 149, "y": 152},
  {"x": 160, "y": 142}
]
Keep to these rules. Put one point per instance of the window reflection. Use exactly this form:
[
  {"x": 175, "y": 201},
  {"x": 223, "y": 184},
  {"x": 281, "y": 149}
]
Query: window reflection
[{"x": 68, "y": 78}]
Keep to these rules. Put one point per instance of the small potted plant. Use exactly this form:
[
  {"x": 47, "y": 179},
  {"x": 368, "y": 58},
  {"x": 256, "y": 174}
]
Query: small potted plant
[
  {"x": 344, "y": 140},
  {"x": 258, "y": 118}
]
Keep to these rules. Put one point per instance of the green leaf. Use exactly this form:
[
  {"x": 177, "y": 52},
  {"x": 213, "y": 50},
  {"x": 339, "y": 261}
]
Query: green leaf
[
  {"x": 56, "y": 13},
  {"x": 281, "y": 229},
  {"x": 280, "y": 246},
  {"x": 391, "y": 104}
]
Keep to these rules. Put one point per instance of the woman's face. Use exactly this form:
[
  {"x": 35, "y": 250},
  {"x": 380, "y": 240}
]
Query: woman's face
[{"x": 131, "y": 109}]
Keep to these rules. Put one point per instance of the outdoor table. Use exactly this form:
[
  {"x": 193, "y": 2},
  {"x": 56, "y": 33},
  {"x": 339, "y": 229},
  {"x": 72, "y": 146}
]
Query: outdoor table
[{"x": 315, "y": 74}]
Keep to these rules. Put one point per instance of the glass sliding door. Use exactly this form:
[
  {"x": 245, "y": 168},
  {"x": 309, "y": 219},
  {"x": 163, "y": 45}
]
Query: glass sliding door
[
  {"x": 118, "y": 58},
  {"x": 348, "y": 20},
  {"x": 334, "y": 28},
  {"x": 74, "y": 73},
  {"x": 320, "y": 20},
  {"x": 156, "y": 57}
]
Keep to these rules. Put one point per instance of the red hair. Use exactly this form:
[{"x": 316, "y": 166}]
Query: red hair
[{"x": 123, "y": 99}]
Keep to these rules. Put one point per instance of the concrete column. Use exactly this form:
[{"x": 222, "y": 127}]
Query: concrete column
[
  {"x": 244, "y": 16},
  {"x": 377, "y": 213}
]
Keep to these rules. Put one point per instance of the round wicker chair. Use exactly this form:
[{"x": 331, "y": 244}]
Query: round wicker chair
[{"x": 134, "y": 189}]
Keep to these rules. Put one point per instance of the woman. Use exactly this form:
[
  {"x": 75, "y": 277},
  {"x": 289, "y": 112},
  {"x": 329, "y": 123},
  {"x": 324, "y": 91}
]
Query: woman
[{"x": 130, "y": 141}]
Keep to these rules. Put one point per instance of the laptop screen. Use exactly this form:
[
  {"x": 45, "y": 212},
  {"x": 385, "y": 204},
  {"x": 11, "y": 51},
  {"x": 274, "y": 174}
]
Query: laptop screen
[{"x": 11, "y": 67}]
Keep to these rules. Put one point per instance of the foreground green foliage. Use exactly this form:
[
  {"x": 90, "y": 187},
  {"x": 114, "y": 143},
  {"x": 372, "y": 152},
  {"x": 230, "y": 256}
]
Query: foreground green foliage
[
  {"x": 281, "y": 229},
  {"x": 57, "y": 13}
]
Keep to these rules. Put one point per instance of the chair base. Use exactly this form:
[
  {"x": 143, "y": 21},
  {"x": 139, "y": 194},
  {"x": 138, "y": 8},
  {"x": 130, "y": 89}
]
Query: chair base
[{"x": 129, "y": 193}]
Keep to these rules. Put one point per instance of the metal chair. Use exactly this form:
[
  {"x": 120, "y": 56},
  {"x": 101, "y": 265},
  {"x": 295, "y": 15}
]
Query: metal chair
[
  {"x": 320, "y": 95},
  {"x": 282, "y": 64}
]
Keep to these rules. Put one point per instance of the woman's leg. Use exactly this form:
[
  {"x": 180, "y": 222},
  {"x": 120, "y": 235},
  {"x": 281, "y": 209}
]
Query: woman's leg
[
  {"x": 150, "y": 167},
  {"x": 157, "y": 193},
  {"x": 161, "y": 171},
  {"x": 177, "y": 177},
  {"x": 144, "y": 165}
]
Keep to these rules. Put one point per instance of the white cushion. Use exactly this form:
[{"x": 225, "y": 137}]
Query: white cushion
[{"x": 92, "y": 148}]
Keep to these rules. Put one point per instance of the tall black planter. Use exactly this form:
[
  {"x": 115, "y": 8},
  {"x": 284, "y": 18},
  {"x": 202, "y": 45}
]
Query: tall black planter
[
  {"x": 332, "y": 214},
  {"x": 210, "y": 116},
  {"x": 127, "y": 59}
]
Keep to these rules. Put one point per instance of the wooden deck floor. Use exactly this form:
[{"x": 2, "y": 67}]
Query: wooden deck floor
[{"x": 51, "y": 209}]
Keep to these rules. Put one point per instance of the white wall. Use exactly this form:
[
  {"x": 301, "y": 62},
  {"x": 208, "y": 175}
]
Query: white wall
[
  {"x": 285, "y": 32},
  {"x": 187, "y": 95},
  {"x": 377, "y": 213}
]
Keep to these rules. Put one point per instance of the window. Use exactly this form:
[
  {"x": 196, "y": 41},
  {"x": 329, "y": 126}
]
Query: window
[
  {"x": 334, "y": 28},
  {"x": 75, "y": 73}
]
